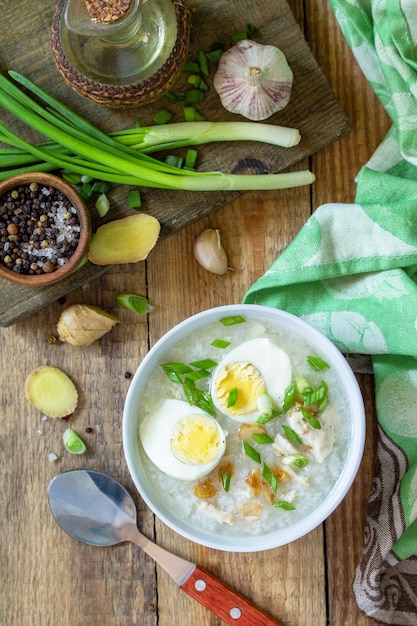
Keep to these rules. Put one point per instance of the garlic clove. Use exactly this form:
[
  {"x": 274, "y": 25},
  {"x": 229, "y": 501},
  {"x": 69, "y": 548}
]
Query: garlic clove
[
  {"x": 209, "y": 251},
  {"x": 253, "y": 80}
]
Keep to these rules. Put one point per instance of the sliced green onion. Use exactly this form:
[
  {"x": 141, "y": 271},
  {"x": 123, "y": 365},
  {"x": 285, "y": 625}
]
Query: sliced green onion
[
  {"x": 289, "y": 397},
  {"x": 262, "y": 438},
  {"x": 220, "y": 343},
  {"x": 102, "y": 205},
  {"x": 317, "y": 395},
  {"x": 202, "y": 61},
  {"x": 197, "y": 82},
  {"x": 177, "y": 97},
  {"x": 133, "y": 302},
  {"x": 194, "y": 96},
  {"x": 310, "y": 418},
  {"x": 232, "y": 398},
  {"x": 204, "y": 364},
  {"x": 162, "y": 116},
  {"x": 238, "y": 37},
  {"x": 298, "y": 460},
  {"x": 174, "y": 161},
  {"x": 197, "y": 374},
  {"x": 86, "y": 191},
  {"x": 302, "y": 386},
  {"x": 192, "y": 115},
  {"x": 73, "y": 442},
  {"x": 134, "y": 199},
  {"x": 291, "y": 435},
  {"x": 264, "y": 419},
  {"x": 317, "y": 363},
  {"x": 251, "y": 452},
  {"x": 283, "y": 504},
  {"x": 178, "y": 368},
  {"x": 269, "y": 477},
  {"x": 232, "y": 320},
  {"x": 214, "y": 55},
  {"x": 191, "y": 158},
  {"x": 226, "y": 480},
  {"x": 264, "y": 404},
  {"x": 191, "y": 66}
]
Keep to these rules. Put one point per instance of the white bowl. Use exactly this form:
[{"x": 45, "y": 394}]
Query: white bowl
[{"x": 271, "y": 538}]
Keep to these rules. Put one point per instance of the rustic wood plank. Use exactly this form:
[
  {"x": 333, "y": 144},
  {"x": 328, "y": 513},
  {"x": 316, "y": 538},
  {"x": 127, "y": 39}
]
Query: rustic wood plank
[{"x": 314, "y": 111}]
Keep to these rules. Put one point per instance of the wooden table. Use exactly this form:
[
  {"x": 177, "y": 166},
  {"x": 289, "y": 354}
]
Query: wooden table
[{"x": 47, "y": 578}]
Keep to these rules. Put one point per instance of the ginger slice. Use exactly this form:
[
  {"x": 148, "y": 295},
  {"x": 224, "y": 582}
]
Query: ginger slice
[
  {"x": 127, "y": 240},
  {"x": 51, "y": 391},
  {"x": 82, "y": 324}
]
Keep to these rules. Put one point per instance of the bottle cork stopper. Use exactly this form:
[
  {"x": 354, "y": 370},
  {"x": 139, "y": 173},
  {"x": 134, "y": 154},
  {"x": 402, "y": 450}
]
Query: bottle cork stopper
[{"x": 107, "y": 11}]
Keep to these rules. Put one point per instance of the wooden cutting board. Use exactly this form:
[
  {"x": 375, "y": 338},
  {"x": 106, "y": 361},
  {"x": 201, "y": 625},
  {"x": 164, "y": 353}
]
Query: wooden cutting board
[{"x": 313, "y": 109}]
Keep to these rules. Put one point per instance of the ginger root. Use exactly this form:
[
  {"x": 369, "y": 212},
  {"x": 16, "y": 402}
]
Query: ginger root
[
  {"x": 82, "y": 324},
  {"x": 126, "y": 240},
  {"x": 51, "y": 391}
]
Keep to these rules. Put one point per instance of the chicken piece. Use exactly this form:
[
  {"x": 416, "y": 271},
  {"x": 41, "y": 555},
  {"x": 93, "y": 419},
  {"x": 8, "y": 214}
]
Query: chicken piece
[
  {"x": 283, "y": 447},
  {"x": 216, "y": 513},
  {"x": 318, "y": 441}
]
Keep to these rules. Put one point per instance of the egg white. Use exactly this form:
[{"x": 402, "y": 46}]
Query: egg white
[
  {"x": 272, "y": 363},
  {"x": 156, "y": 431}
]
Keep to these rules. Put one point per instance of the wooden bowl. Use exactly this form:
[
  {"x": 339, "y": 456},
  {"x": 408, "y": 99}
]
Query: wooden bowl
[{"x": 49, "y": 180}]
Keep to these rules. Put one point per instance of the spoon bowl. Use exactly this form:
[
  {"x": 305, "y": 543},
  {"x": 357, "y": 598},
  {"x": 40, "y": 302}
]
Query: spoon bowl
[{"x": 94, "y": 508}]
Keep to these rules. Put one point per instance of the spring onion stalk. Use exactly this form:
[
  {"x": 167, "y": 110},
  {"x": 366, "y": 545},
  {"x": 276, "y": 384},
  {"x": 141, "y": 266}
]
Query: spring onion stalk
[{"x": 76, "y": 145}]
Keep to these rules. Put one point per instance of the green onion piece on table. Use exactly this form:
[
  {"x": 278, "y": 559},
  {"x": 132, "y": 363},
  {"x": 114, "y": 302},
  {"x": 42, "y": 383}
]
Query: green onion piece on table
[
  {"x": 73, "y": 442},
  {"x": 133, "y": 302}
]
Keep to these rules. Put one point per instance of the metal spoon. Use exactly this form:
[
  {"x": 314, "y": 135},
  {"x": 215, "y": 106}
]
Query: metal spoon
[{"x": 94, "y": 508}]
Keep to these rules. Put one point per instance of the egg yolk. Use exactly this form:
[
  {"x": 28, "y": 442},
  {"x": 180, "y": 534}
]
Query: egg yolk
[
  {"x": 249, "y": 383},
  {"x": 196, "y": 440}
]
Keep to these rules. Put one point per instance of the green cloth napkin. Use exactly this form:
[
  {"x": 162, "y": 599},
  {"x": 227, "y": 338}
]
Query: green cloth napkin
[{"x": 351, "y": 272}]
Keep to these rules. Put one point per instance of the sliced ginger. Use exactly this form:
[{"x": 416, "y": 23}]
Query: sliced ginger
[
  {"x": 51, "y": 391},
  {"x": 82, "y": 324},
  {"x": 126, "y": 240}
]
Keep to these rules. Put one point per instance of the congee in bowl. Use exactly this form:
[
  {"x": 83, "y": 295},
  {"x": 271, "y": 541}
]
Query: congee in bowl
[{"x": 243, "y": 428}]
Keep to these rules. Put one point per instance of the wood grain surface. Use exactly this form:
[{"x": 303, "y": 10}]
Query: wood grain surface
[
  {"x": 314, "y": 111},
  {"x": 49, "y": 579}
]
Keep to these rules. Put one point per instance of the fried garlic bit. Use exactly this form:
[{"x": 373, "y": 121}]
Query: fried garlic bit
[
  {"x": 82, "y": 324},
  {"x": 51, "y": 391}
]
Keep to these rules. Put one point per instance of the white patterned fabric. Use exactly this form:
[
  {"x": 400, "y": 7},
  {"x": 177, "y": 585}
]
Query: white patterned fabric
[{"x": 351, "y": 272}]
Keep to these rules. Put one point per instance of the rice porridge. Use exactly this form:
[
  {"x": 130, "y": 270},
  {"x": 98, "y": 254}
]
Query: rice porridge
[{"x": 284, "y": 431}]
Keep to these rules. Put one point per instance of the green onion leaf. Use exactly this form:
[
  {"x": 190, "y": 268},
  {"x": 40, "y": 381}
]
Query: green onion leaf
[
  {"x": 238, "y": 37},
  {"x": 291, "y": 435},
  {"x": 226, "y": 480},
  {"x": 262, "y": 438},
  {"x": 316, "y": 395},
  {"x": 204, "y": 364},
  {"x": 282, "y": 504},
  {"x": 251, "y": 452},
  {"x": 220, "y": 343},
  {"x": 102, "y": 205},
  {"x": 231, "y": 320},
  {"x": 232, "y": 399},
  {"x": 302, "y": 386},
  {"x": 214, "y": 55},
  {"x": 73, "y": 442},
  {"x": 162, "y": 116},
  {"x": 317, "y": 363},
  {"x": 310, "y": 418},
  {"x": 269, "y": 477},
  {"x": 133, "y": 302}
]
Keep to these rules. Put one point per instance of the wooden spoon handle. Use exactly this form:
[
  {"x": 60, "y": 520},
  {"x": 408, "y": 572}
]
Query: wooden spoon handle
[{"x": 227, "y": 604}]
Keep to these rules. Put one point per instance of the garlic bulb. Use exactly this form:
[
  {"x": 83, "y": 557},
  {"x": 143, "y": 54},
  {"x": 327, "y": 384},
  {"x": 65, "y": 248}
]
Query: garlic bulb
[
  {"x": 209, "y": 252},
  {"x": 254, "y": 80}
]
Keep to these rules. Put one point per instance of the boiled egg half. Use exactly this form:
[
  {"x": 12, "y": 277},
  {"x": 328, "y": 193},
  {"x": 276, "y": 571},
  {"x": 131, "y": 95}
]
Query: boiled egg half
[
  {"x": 182, "y": 440},
  {"x": 255, "y": 367}
]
